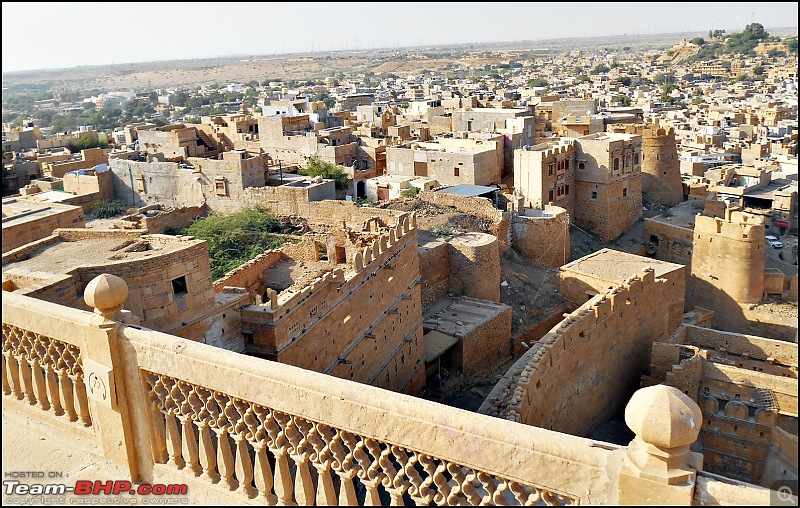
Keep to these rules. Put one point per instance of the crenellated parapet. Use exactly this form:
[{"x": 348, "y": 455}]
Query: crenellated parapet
[{"x": 600, "y": 339}]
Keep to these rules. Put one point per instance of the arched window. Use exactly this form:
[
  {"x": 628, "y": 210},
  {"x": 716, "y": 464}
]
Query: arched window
[
  {"x": 616, "y": 164},
  {"x": 635, "y": 159},
  {"x": 581, "y": 165},
  {"x": 627, "y": 161}
]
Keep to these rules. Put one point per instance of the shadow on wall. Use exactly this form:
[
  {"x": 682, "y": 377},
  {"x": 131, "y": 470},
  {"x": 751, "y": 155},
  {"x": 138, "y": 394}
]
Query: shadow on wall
[{"x": 729, "y": 314}]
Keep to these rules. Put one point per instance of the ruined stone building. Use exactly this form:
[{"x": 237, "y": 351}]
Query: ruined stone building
[
  {"x": 178, "y": 142},
  {"x": 218, "y": 182},
  {"x": 294, "y": 139},
  {"x": 345, "y": 301},
  {"x": 169, "y": 279},
  {"x": 87, "y": 159},
  {"x": 226, "y": 183},
  {"x": 746, "y": 387},
  {"x": 608, "y": 338},
  {"x": 234, "y": 132}
]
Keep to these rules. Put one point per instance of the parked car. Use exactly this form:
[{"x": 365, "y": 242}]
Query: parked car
[{"x": 772, "y": 240}]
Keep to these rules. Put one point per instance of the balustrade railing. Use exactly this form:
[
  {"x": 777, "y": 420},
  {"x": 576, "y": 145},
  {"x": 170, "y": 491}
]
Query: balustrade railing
[{"x": 246, "y": 430}]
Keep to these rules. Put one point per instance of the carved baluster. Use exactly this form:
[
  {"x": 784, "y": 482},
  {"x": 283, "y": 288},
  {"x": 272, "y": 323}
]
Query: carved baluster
[
  {"x": 296, "y": 431},
  {"x": 342, "y": 464},
  {"x": 303, "y": 485},
  {"x": 39, "y": 386},
  {"x": 173, "y": 441},
  {"x": 258, "y": 419},
  {"x": 262, "y": 473},
  {"x": 419, "y": 488},
  {"x": 14, "y": 370},
  {"x": 37, "y": 356},
  {"x": 369, "y": 469},
  {"x": 347, "y": 491},
  {"x": 442, "y": 485},
  {"x": 468, "y": 488},
  {"x": 244, "y": 467},
  {"x": 208, "y": 456},
  {"x": 157, "y": 392},
  {"x": 498, "y": 496},
  {"x": 320, "y": 436},
  {"x": 158, "y": 436},
  {"x": 6, "y": 374},
  {"x": 52, "y": 390},
  {"x": 457, "y": 494},
  {"x": 494, "y": 489},
  {"x": 283, "y": 477},
  {"x": 83, "y": 402},
  {"x": 27, "y": 381},
  {"x": 66, "y": 386},
  {"x": 326, "y": 494},
  {"x": 189, "y": 447},
  {"x": 396, "y": 481},
  {"x": 225, "y": 460}
]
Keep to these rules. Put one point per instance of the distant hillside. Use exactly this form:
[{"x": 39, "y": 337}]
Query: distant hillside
[{"x": 679, "y": 53}]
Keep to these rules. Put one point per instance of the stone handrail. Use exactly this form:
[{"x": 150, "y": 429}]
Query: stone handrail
[
  {"x": 720, "y": 491},
  {"x": 41, "y": 369},
  {"x": 390, "y": 443},
  {"x": 245, "y": 430}
]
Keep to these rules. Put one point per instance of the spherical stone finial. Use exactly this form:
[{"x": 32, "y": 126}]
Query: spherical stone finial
[
  {"x": 663, "y": 416},
  {"x": 106, "y": 293}
]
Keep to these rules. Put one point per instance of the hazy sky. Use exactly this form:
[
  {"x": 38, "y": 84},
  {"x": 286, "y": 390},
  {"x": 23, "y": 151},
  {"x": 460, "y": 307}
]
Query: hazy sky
[{"x": 67, "y": 34}]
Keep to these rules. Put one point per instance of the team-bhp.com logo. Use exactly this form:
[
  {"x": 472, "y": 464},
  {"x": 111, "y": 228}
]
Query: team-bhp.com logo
[{"x": 89, "y": 488}]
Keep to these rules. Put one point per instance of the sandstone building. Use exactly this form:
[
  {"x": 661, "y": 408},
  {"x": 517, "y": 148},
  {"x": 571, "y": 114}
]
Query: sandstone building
[{"x": 608, "y": 183}]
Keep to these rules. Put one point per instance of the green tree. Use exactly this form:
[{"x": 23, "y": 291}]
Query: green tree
[
  {"x": 537, "y": 82},
  {"x": 318, "y": 167},
  {"x": 623, "y": 99},
  {"x": 600, "y": 69},
  {"x": 236, "y": 238},
  {"x": 698, "y": 40},
  {"x": 625, "y": 80}
]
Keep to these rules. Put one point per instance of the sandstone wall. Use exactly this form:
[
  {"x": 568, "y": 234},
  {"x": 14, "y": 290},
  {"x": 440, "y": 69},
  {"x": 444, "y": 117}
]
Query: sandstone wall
[
  {"x": 545, "y": 238},
  {"x": 607, "y": 340},
  {"x": 475, "y": 266},
  {"x": 24, "y": 232},
  {"x": 661, "y": 172}
]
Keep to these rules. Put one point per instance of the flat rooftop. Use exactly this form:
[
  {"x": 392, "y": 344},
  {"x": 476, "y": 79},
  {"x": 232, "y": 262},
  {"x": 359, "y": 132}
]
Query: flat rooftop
[
  {"x": 768, "y": 191},
  {"x": 63, "y": 256},
  {"x": 53, "y": 196},
  {"x": 460, "y": 316},
  {"x": 681, "y": 215},
  {"x": 616, "y": 266},
  {"x": 19, "y": 212}
]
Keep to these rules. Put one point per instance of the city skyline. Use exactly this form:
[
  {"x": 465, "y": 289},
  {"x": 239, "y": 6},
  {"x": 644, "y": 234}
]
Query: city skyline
[{"x": 78, "y": 32}]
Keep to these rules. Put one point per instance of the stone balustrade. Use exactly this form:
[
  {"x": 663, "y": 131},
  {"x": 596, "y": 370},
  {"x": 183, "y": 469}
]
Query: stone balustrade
[{"x": 241, "y": 430}]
